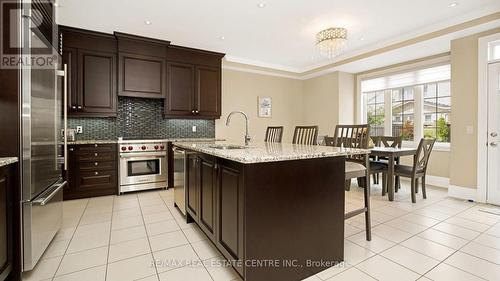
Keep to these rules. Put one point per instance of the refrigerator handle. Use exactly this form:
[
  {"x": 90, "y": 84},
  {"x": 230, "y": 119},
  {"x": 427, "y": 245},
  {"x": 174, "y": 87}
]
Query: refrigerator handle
[{"x": 65, "y": 105}]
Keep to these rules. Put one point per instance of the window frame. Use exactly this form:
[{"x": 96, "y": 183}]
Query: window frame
[{"x": 418, "y": 114}]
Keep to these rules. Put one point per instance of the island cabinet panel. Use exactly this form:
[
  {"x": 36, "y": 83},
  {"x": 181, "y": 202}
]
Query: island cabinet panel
[
  {"x": 141, "y": 66},
  {"x": 92, "y": 171},
  {"x": 192, "y": 194},
  {"x": 230, "y": 208},
  {"x": 91, "y": 59},
  {"x": 207, "y": 189}
]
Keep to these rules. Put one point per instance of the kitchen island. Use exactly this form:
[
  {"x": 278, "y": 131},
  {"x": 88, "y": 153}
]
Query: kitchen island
[{"x": 275, "y": 211}]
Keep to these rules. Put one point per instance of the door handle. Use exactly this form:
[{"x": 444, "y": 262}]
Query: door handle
[
  {"x": 493, "y": 144},
  {"x": 494, "y": 134},
  {"x": 45, "y": 200}
]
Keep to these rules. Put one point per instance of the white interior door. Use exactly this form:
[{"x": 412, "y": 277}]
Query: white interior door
[{"x": 493, "y": 195}]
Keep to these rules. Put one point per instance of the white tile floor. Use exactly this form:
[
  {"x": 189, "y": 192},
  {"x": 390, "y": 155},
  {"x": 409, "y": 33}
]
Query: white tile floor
[{"x": 120, "y": 238}]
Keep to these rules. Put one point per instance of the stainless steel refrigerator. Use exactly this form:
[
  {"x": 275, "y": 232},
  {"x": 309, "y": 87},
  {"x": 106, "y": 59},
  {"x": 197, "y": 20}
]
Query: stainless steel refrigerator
[{"x": 43, "y": 121}]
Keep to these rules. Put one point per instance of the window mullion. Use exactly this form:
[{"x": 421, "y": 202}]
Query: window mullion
[
  {"x": 419, "y": 113},
  {"x": 388, "y": 112}
]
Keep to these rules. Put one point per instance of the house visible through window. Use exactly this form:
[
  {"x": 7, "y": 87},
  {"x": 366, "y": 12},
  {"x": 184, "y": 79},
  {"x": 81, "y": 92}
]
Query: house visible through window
[{"x": 411, "y": 105}]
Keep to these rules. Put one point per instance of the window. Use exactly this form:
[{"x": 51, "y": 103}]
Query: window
[
  {"x": 411, "y": 105},
  {"x": 437, "y": 105},
  {"x": 403, "y": 105},
  {"x": 376, "y": 112}
]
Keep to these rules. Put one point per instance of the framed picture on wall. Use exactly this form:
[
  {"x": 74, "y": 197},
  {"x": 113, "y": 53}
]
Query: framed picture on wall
[{"x": 264, "y": 107}]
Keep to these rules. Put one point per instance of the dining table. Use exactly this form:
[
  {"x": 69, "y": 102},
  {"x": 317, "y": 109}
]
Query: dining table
[{"x": 391, "y": 153}]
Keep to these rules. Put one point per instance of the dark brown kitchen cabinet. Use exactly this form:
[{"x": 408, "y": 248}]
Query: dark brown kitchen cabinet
[
  {"x": 6, "y": 220},
  {"x": 208, "y": 92},
  {"x": 91, "y": 59},
  {"x": 192, "y": 194},
  {"x": 96, "y": 83},
  {"x": 92, "y": 171},
  {"x": 230, "y": 210},
  {"x": 207, "y": 186},
  {"x": 180, "y": 101},
  {"x": 194, "y": 83},
  {"x": 215, "y": 200},
  {"x": 141, "y": 66}
]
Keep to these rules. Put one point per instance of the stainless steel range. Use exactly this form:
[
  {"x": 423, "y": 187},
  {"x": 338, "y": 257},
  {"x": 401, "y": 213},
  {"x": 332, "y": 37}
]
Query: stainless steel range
[{"x": 143, "y": 165}]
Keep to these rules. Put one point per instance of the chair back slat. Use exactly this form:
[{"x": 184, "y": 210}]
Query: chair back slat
[
  {"x": 423, "y": 154},
  {"x": 390, "y": 141},
  {"x": 274, "y": 134},
  {"x": 305, "y": 135},
  {"x": 352, "y": 136}
]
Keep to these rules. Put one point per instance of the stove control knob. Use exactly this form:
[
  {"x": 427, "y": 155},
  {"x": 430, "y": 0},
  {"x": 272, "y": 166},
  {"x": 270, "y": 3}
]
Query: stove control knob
[
  {"x": 124, "y": 148},
  {"x": 162, "y": 147},
  {"x": 130, "y": 147},
  {"x": 143, "y": 147},
  {"x": 156, "y": 147}
]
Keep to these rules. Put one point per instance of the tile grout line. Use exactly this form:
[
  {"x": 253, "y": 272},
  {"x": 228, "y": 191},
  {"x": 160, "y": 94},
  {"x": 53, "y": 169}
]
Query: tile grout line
[
  {"x": 192, "y": 248},
  {"x": 71, "y": 240},
  {"x": 147, "y": 237},
  {"x": 109, "y": 239}
]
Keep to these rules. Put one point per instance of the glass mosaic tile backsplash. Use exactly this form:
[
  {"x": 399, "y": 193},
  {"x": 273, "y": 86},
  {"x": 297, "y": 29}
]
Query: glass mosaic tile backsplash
[{"x": 140, "y": 119}]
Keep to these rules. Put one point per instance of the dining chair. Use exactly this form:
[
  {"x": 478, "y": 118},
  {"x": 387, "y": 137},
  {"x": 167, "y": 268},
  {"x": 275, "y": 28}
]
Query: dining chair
[
  {"x": 305, "y": 135},
  {"x": 356, "y": 166},
  {"x": 389, "y": 141},
  {"x": 274, "y": 134},
  {"x": 418, "y": 169}
]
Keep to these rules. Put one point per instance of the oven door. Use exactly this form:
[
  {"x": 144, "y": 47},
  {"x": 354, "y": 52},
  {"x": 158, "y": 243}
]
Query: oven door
[{"x": 140, "y": 168}]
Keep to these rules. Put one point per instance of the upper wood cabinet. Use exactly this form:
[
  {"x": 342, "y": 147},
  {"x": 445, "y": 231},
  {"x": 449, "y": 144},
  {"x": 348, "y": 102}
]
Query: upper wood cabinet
[
  {"x": 194, "y": 83},
  {"x": 141, "y": 66},
  {"x": 91, "y": 60}
]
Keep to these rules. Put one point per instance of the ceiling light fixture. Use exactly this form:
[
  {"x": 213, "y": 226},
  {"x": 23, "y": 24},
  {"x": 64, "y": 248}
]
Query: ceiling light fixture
[
  {"x": 453, "y": 4},
  {"x": 261, "y": 5},
  {"x": 331, "y": 41},
  {"x": 147, "y": 22}
]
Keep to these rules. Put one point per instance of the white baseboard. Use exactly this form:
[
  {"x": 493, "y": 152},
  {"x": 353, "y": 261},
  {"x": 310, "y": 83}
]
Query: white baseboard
[
  {"x": 462, "y": 192},
  {"x": 434, "y": 180}
]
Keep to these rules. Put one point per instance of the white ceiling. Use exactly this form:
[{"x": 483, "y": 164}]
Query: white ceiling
[{"x": 281, "y": 35}]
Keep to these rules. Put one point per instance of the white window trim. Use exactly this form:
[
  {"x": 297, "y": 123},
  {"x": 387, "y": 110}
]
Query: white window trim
[{"x": 361, "y": 108}]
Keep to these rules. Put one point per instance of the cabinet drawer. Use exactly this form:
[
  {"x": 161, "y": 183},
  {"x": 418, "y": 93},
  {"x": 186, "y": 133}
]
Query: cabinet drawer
[
  {"x": 97, "y": 179},
  {"x": 94, "y": 156},
  {"x": 97, "y": 166},
  {"x": 97, "y": 147}
]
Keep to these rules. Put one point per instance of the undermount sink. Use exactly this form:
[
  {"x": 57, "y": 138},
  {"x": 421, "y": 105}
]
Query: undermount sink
[{"x": 227, "y": 146}]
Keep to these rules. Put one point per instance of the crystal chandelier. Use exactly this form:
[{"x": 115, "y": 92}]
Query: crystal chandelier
[{"x": 331, "y": 41}]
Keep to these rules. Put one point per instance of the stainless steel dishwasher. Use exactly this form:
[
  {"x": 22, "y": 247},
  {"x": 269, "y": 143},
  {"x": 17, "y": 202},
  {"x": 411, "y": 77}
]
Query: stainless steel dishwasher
[{"x": 180, "y": 158}]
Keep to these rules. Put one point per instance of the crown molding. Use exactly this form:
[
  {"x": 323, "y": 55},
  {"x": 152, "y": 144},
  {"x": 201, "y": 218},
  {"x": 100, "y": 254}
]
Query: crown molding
[{"x": 428, "y": 33}]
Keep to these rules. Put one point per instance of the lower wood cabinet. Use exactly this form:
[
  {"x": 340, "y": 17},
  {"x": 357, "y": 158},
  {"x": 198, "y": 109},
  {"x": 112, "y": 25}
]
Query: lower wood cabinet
[
  {"x": 6, "y": 220},
  {"x": 92, "y": 171},
  {"x": 215, "y": 200}
]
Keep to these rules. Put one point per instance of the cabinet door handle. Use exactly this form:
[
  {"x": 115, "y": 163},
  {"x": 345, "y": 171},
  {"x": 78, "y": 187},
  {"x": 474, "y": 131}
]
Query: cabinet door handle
[
  {"x": 80, "y": 107},
  {"x": 73, "y": 107},
  {"x": 196, "y": 111},
  {"x": 193, "y": 111},
  {"x": 96, "y": 173},
  {"x": 95, "y": 154},
  {"x": 95, "y": 164},
  {"x": 71, "y": 149}
]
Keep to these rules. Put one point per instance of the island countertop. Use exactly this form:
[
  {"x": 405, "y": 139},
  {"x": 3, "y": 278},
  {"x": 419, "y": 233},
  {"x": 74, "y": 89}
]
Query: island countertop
[
  {"x": 4, "y": 161},
  {"x": 268, "y": 152}
]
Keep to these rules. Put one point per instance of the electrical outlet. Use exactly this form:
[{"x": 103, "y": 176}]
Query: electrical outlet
[
  {"x": 194, "y": 128},
  {"x": 79, "y": 129}
]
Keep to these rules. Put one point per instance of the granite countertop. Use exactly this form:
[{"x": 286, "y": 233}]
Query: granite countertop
[
  {"x": 142, "y": 141},
  {"x": 269, "y": 152},
  {"x": 4, "y": 161}
]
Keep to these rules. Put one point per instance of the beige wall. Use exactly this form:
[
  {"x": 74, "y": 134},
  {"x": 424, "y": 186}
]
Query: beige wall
[
  {"x": 439, "y": 163},
  {"x": 464, "y": 86},
  {"x": 240, "y": 91},
  {"x": 321, "y": 102}
]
